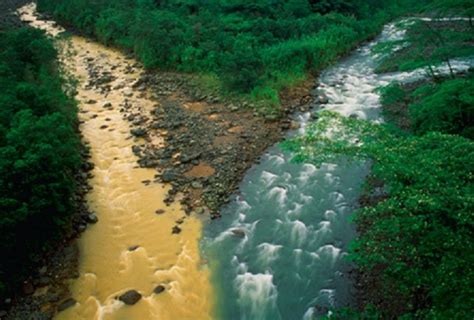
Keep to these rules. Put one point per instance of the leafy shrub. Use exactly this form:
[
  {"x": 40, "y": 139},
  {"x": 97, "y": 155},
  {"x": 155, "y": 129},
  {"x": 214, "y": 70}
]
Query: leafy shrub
[
  {"x": 447, "y": 107},
  {"x": 417, "y": 242},
  {"x": 38, "y": 151},
  {"x": 244, "y": 43}
]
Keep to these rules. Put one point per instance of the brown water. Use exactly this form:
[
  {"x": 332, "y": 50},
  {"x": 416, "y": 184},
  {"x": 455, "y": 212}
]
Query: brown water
[{"x": 126, "y": 207}]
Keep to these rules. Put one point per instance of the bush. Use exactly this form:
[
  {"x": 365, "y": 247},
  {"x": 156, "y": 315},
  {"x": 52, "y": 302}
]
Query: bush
[
  {"x": 245, "y": 43},
  {"x": 38, "y": 152},
  {"x": 447, "y": 107},
  {"x": 415, "y": 244}
]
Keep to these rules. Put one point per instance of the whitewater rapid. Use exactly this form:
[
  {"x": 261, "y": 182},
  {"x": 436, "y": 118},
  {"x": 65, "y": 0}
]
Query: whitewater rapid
[{"x": 279, "y": 250}]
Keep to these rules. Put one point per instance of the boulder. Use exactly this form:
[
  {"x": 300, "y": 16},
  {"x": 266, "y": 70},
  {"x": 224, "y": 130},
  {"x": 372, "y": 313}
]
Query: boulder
[
  {"x": 92, "y": 218},
  {"x": 322, "y": 99},
  {"x": 196, "y": 185},
  {"x": 130, "y": 297},
  {"x": 139, "y": 132},
  {"x": 238, "y": 233},
  {"x": 168, "y": 175},
  {"x": 159, "y": 289}
]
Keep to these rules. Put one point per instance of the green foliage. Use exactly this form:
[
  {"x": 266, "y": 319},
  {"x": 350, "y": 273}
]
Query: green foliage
[
  {"x": 446, "y": 107},
  {"x": 38, "y": 151},
  {"x": 463, "y": 8},
  {"x": 247, "y": 44},
  {"x": 420, "y": 237},
  {"x": 428, "y": 44}
]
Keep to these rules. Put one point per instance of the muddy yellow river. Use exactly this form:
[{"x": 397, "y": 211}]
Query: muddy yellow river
[{"x": 131, "y": 247}]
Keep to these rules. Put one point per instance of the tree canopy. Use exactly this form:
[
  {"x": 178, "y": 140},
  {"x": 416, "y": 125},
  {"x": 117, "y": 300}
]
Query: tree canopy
[{"x": 39, "y": 151}]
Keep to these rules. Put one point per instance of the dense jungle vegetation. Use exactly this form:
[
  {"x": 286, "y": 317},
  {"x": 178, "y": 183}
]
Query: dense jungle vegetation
[
  {"x": 414, "y": 248},
  {"x": 251, "y": 47},
  {"x": 39, "y": 152}
]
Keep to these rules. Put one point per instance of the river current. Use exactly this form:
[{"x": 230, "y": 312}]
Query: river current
[{"x": 279, "y": 252}]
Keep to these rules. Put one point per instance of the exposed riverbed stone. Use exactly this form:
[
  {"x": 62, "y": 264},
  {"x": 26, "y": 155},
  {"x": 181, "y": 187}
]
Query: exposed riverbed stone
[
  {"x": 169, "y": 175},
  {"x": 139, "y": 132},
  {"x": 92, "y": 218}
]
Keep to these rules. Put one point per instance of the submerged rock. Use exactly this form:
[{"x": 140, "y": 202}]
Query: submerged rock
[
  {"x": 130, "y": 297},
  {"x": 238, "y": 233}
]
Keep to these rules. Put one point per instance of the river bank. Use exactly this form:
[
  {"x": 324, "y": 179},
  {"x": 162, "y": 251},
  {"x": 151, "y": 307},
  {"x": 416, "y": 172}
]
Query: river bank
[
  {"x": 209, "y": 143},
  {"x": 198, "y": 144},
  {"x": 236, "y": 136},
  {"x": 57, "y": 259},
  {"x": 118, "y": 185}
]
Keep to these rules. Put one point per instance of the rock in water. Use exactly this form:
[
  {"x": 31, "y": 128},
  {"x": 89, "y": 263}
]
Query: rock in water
[
  {"x": 92, "y": 218},
  {"x": 159, "y": 289},
  {"x": 238, "y": 233},
  {"x": 130, "y": 297},
  {"x": 66, "y": 304}
]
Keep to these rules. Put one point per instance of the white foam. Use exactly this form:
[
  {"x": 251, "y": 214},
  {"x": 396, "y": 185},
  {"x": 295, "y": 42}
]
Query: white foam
[
  {"x": 257, "y": 294},
  {"x": 298, "y": 232},
  {"x": 280, "y": 193},
  {"x": 329, "y": 251},
  {"x": 277, "y": 159},
  {"x": 336, "y": 196},
  {"x": 309, "y": 314},
  {"x": 268, "y": 252},
  {"x": 330, "y": 215},
  {"x": 329, "y": 294},
  {"x": 268, "y": 178}
]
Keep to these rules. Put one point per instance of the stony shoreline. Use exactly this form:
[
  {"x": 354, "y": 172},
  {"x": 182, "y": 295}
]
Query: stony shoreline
[
  {"x": 209, "y": 143},
  {"x": 59, "y": 260},
  {"x": 47, "y": 288}
]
